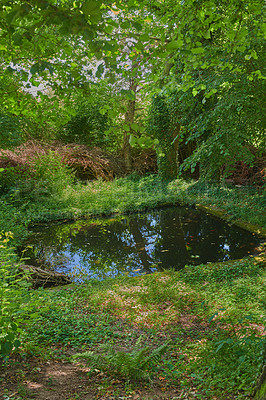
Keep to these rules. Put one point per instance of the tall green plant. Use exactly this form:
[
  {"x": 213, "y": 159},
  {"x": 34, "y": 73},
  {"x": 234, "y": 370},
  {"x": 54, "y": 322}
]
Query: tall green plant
[
  {"x": 137, "y": 364},
  {"x": 46, "y": 176},
  {"x": 13, "y": 297}
]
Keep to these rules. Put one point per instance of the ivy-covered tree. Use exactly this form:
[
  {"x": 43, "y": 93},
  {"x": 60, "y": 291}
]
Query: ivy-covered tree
[
  {"x": 165, "y": 129},
  {"x": 208, "y": 53},
  {"x": 214, "y": 80}
]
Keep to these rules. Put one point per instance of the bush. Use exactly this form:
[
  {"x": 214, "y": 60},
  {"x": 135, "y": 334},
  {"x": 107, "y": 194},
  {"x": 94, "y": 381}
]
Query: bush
[
  {"x": 87, "y": 126},
  {"x": 10, "y": 129},
  {"x": 13, "y": 296},
  {"x": 47, "y": 175}
]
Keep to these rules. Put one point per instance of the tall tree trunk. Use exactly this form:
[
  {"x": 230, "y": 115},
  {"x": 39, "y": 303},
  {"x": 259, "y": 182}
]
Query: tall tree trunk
[{"x": 129, "y": 119}]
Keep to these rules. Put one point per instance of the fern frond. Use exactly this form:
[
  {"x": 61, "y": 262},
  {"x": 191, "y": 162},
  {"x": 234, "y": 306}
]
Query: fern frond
[
  {"x": 131, "y": 365},
  {"x": 157, "y": 353},
  {"x": 93, "y": 359}
]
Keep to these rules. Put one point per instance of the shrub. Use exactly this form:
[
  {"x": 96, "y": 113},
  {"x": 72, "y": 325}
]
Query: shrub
[
  {"x": 13, "y": 296},
  {"x": 88, "y": 126},
  {"x": 47, "y": 175},
  {"x": 136, "y": 365}
]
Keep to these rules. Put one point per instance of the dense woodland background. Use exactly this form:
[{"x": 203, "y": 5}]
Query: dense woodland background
[
  {"x": 114, "y": 107},
  {"x": 134, "y": 82}
]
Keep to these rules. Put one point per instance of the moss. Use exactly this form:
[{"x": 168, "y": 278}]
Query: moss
[
  {"x": 261, "y": 393},
  {"x": 214, "y": 211},
  {"x": 251, "y": 228},
  {"x": 226, "y": 217}
]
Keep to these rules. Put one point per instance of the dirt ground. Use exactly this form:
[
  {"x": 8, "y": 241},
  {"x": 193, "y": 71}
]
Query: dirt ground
[{"x": 30, "y": 379}]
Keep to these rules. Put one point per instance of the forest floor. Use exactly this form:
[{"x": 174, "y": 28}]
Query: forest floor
[
  {"x": 55, "y": 380},
  {"x": 190, "y": 334},
  {"x": 64, "y": 381}
]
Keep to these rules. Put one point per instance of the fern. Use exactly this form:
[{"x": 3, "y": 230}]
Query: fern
[{"x": 136, "y": 364}]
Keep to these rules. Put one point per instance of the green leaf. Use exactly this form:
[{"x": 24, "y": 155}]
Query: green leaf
[
  {"x": 197, "y": 50},
  {"x": 109, "y": 29},
  {"x": 100, "y": 70},
  {"x": 175, "y": 44},
  {"x": 144, "y": 37},
  {"x": 210, "y": 93},
  {"x": 91, "y": 7},
  {"x": 207, "y": 35},
  {"x": 132, "y": 140},
  {"x": 129, "y": 94},
  {"x": 17, "y": 39},
  {"x": 125, "y": 25},
  {"x": 137, "y": 25},
  {"x": 135, "y": 127}
]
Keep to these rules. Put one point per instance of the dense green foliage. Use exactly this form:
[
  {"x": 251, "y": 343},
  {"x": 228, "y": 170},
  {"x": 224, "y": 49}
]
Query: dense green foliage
[
  {"x": 13, "y": 299},
  {"x": 163, "y": 125},
  {"x": 87, "y": 126},
  {"x": 208, "y": 67},
  {"x": 217, "y": 91},
  {"x": 45, "y": 177},
  {"x": 203, "y": 317},
  {"x": 186, "y": 78},
  {"x": 10, "y": 131}
]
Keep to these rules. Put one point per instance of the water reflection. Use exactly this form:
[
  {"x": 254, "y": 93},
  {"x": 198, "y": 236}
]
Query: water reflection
[{"x": 136, "y": 244}]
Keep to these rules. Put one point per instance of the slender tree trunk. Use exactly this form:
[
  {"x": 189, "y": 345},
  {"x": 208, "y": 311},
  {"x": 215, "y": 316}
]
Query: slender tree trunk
[{"x": 129, "y": 119}]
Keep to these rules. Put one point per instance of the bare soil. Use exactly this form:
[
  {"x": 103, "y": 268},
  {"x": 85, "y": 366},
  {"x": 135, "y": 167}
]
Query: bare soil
[{"x": 33, "y": 379}]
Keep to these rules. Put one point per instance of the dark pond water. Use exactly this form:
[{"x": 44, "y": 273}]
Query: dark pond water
[{"x": 137, "y": 244}]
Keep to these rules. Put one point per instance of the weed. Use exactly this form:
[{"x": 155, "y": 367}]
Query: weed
[
  {"x": 13, "y": 297},
  {"x": 59, "y": 321},
  {"x": 137, "y": 364}
]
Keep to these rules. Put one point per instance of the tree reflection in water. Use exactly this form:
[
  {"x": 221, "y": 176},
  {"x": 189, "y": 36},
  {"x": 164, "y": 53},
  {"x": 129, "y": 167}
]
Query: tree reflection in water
[{"x": 137, "y": 243}]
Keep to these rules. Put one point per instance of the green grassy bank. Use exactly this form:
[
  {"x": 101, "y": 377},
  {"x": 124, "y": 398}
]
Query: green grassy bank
[
  {"x": 20, "y": 208},
  {"x": 196, "y": 333}
]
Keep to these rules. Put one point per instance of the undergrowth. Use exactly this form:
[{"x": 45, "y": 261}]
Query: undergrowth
[
  {"x": 195, "y": 330},
  {"x": 211, "y": 316},
  {"x": 21, "y": 208},
  {"x": 138, "y": 364}
]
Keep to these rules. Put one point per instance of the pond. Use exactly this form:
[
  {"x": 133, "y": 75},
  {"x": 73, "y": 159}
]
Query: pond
[{"x": 137, "y": 243}]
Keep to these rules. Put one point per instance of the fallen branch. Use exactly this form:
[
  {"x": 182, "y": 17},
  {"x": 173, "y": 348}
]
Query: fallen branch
[{"x": 44, "y": 278}]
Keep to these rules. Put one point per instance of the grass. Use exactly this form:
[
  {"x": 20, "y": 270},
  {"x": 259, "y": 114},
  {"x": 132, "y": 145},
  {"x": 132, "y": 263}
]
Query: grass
[
  {"x": 240, "y": 203},
  {"x": 211, "y": 319},
  {"x": 125, "y": 195}
]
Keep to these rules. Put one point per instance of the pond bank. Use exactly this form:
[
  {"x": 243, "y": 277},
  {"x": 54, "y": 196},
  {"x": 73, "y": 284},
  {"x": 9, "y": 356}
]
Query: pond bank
[
  {"x": 207, "y": 319},
  {"x": 218, "y": 212},
  {"x": 244, "y": 206},
  {"x": 210, "y": 317}
]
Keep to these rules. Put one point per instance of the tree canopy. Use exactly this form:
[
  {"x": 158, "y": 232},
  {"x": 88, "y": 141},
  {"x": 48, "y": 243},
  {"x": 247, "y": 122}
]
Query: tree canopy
[{"x": 203, "y": 57}]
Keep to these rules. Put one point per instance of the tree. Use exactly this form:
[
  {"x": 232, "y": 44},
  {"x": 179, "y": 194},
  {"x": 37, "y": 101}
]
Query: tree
[
  {"x": 215, "y": 79},
  {"x": 207, "y": 54}
]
